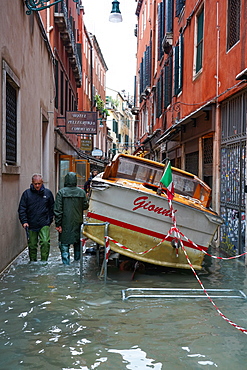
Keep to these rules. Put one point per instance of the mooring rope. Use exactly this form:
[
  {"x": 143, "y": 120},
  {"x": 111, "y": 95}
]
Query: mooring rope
[
  {"x": 243, "y": 330},
  {"x": 178, "y": 234}
]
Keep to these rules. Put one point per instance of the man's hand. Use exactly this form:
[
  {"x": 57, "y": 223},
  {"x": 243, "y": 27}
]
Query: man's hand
[
  {"x": 25, "y": 225},
  {"x": 59, "y": 229}
]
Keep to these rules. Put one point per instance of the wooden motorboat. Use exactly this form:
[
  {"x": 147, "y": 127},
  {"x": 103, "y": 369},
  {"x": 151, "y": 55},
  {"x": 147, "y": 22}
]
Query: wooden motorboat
[{"x": 125, "y": 195}]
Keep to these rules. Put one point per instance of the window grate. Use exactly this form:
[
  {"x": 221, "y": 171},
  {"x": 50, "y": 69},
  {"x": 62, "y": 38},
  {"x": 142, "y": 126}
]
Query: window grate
[
  {"x": 208, "y": 150},
  {"x": 191, "y": 162},
  {"x": 11, "y": 124},
  {"x": 233, "y": 22}
]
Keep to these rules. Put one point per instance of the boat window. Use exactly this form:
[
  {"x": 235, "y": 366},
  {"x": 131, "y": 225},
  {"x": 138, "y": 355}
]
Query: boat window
[
  {"x": 157, "y": 176},
  {"x": 184, "y": 185},
  {"x": 126, "y": 169},
  {"x": 144, "y": 174},
  {"x": 136, "y": 171}
]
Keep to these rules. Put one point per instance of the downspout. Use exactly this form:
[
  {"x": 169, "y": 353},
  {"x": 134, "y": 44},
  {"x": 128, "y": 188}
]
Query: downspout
[
  {"x": 91, "y": 88},
  {"x": 217, "y": 136},
  {"x": 91, "y": 77}
]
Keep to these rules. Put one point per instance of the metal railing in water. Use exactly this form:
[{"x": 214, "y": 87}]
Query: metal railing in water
[
  {"x": 181, "y": 293},
  {"x": 104, "y": 265}
]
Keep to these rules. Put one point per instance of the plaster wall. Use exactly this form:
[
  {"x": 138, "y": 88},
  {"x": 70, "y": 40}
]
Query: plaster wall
[{"x": 24, "y": 50}]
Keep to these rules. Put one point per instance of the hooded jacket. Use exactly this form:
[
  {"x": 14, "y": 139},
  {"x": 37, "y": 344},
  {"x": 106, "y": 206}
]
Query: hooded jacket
[
  {"x": 36, "y": 208},
  {"x": 69, "y": 205}
]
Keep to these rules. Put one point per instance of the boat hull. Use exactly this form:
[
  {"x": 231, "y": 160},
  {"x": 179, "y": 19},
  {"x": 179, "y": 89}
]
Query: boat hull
[{"x": 140, "y": 220}]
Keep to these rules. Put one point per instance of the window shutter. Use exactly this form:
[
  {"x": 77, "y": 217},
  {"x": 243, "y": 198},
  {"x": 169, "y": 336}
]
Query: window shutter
[
  {"x": 200, "y": 30},
  {"x": 178, "y": 67},
  {"x": 181, "y": 59},
  {"x": 141, "y": 77},
  {"x": 160, "y": 29},
  {"x": 168, "y": 83},
  {"x": 169, "y": 16},
  {"x": 176, "y": 63},
  {"x": 159, "y": 98},
  {"x": 179, "y": 6},
  {"x": 148, "y": 71}
]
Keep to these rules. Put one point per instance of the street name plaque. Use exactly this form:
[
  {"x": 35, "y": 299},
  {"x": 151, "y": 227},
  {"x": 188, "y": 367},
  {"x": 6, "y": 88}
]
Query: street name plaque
[{"x": 81, "y": 122}]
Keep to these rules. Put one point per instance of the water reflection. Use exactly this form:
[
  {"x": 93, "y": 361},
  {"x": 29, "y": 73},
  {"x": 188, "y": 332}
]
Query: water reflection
[
  {"x": 51, "y": 320},
  {"x": 135, "y": 358}
]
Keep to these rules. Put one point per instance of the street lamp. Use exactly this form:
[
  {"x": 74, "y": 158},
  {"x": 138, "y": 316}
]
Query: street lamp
[{"x": 115, "y": 15}]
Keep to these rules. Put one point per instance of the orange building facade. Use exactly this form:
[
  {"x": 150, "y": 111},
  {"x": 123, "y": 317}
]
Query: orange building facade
[
  {"x": 74, "y": 80},
  {"x": 191, "y": 97}
]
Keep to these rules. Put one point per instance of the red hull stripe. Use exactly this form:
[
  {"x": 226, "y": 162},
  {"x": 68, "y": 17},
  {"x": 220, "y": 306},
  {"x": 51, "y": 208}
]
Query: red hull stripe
[{"x": 138, "y": 229}]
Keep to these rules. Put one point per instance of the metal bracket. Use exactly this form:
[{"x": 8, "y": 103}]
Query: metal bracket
[
  {"x": 186, "y": 293},
  {"x": 37, "y": 5}
]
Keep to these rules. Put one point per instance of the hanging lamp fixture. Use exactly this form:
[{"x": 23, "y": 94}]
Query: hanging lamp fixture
[{"x": 115, "y": 15}]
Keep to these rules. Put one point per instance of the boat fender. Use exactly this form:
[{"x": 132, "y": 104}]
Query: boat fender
[{"x": 176, "y": 243}]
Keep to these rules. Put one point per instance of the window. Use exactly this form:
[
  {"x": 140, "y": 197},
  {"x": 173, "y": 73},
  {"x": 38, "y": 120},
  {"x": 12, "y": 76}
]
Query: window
[
  {"x": 11, "y": 121},
  {"x": 11, "y": 126},
  {"x": 115, "y": 126},
  {"x": 233, "y": 26},
  {"x": 199, "y": 41}
]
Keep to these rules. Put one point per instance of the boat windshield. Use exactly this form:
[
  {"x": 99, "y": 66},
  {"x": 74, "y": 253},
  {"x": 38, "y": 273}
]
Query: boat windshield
[
  {"x": 184, "y": 185},
  {"x": 150, "y": 174},
  {"x": 141, "y": 172}
]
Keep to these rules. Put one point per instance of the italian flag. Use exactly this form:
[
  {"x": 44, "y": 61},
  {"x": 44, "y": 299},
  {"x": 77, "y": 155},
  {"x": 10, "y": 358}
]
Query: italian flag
[{"x": 166, "y": 181}]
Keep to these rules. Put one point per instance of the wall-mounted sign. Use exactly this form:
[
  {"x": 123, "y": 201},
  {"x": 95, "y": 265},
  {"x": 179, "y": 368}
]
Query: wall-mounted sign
[
  {"x": 97, "y": 153},
  {"x": 81, "y": 122},
  {"x": 86, "y": 144}
]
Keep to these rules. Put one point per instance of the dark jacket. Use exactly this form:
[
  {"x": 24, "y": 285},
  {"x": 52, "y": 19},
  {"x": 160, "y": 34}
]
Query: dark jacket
[
  {"x": 88, "y": 184},
  {"x": 36, "y": 208},
  {"x": 69, "y": 205}
]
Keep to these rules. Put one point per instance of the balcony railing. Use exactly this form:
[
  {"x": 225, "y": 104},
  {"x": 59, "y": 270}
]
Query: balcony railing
[{"x": 66, "y": 32}]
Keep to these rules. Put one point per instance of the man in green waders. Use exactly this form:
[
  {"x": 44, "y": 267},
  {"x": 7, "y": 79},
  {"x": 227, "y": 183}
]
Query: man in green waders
[
  {"x": 69, "y": 205},
  {"x": 36, "y": 215}
]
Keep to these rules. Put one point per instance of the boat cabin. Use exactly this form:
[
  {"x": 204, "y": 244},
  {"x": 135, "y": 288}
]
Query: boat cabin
[{"x": 149, "y": 173}]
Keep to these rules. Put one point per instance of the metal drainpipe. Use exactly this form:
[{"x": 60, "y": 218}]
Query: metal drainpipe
[
  {"x": 91, "y": 76},
  {"x": 217, "y": 136}
]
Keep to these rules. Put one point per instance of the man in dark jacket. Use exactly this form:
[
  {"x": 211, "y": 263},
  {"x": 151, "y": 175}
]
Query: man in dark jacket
[
  {"x": 69, "y": 205},
  {"x": 36, "y": 215},
  {"x": 87, "y": 184}
]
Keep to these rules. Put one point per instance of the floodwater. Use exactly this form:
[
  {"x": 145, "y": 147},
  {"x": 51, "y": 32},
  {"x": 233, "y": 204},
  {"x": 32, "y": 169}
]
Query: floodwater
[{"x": 52, "y": 319}]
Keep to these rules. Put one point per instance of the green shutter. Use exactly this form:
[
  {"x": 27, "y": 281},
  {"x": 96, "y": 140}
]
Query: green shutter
[{"x": 200, "y": 30}]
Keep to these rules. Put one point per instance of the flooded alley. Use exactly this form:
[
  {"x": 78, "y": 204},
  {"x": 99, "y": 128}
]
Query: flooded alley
[{"x": 52, "y": 319}]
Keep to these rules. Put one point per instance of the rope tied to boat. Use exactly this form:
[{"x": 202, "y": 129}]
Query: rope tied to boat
[
  {"x": 178, "y": 237},
  {"x": 178, "y": 232}
]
